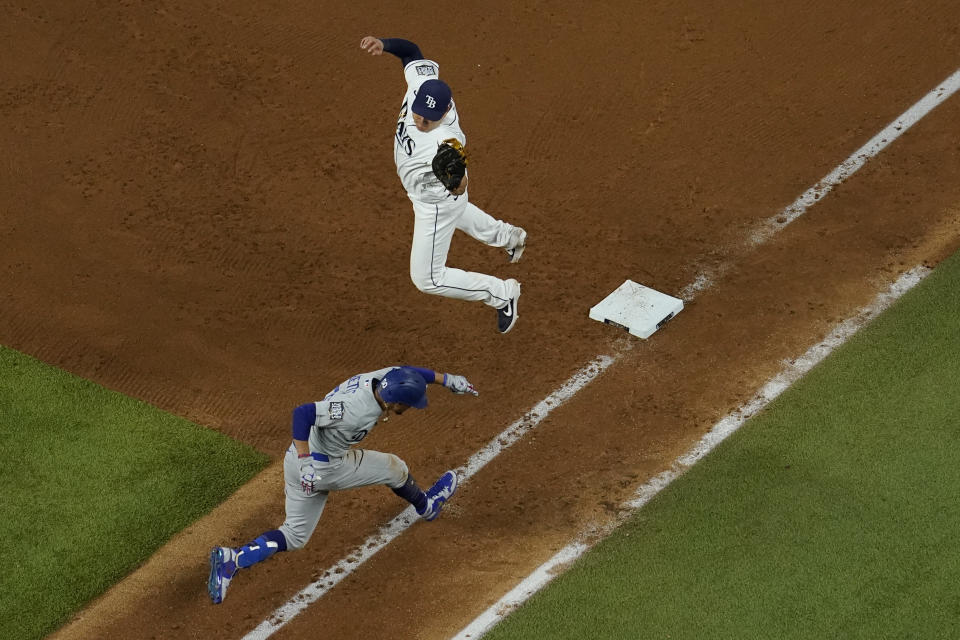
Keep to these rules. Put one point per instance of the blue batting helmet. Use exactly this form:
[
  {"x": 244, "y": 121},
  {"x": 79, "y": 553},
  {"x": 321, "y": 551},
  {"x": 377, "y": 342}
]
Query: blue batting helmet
[{"x": 405, "y": 386}]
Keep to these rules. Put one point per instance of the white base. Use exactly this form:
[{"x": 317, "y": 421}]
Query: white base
[{"x": 636, "y": 308}]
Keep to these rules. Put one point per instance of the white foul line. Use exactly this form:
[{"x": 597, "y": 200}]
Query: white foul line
[
  {"x": 402, "y": 522},
  {"x": 720, "y": 431},
  {"x": 312, "y": 592},
  {"x": 847, "y": 168},
  {"x": 543, "y": 574}
]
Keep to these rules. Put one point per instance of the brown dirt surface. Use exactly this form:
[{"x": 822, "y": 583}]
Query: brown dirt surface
[{"x": 200, "y": 210}]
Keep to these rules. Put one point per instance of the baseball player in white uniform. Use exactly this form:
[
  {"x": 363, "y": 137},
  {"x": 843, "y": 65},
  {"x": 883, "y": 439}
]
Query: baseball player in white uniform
[
  {"x": 321, "y": 459},
  {"x": 428, "y": 116}
]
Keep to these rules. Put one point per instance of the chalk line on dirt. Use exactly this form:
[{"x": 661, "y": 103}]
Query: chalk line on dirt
[
  {"x": 847, "y": 168},
  {"x": 312, "y": 592},
  {"x": 400, "y": 523},
  {"x": 792, "y": 372}
]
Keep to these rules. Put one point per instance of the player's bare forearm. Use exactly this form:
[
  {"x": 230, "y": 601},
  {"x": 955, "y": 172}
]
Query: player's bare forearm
[{"x": 302, "y": 446}]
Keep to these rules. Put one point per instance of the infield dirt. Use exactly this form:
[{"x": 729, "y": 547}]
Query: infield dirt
[{"x": 200, "y": 210}]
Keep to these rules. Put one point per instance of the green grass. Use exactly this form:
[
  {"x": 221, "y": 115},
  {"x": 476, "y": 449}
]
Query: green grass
[
  {"x": 91, "y": 483},
  {"x": 833, "y": 514}
]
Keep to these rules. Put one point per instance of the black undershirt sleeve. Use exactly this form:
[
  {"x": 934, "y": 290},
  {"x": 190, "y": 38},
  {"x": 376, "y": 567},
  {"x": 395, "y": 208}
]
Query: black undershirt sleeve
[{"x": 403, "y": 49}]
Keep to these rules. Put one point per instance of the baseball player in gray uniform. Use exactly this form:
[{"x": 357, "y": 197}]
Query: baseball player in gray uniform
[
  {"x": 321, "y": 459},
  {"x": 428, "y": 117}
]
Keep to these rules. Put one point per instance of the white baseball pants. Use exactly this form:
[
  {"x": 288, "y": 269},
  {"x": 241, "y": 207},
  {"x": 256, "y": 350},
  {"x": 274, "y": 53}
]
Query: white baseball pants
[{"x": 432, "y": 232}]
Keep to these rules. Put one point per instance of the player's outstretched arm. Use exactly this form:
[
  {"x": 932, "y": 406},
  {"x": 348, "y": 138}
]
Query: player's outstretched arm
[
  {"x": 404, "y": 49},
  {"x": 457, "y": 384}
]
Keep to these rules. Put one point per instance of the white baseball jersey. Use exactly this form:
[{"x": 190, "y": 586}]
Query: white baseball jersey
[
  {"x": 437, "y": 212},
  {"x": 347, "y": 414},
  {"x": 413, "y": 149}
]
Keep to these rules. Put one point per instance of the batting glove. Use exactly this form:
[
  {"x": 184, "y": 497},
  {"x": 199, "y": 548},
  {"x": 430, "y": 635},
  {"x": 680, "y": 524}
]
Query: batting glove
[
  {"x": 458, "y": 384},
  {"x": 308, "y": 475}
]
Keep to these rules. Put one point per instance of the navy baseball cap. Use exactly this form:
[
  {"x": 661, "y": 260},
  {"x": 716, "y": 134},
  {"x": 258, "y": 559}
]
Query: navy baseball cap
[
  {"x": 432, "y": 101},
  {"x": 406, "y": 386}
]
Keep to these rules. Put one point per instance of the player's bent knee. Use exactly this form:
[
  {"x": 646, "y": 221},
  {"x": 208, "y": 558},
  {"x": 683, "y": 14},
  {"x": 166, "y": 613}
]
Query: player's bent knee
[
  {"x": 398, "y": 472},
  {"x": 426, "y": 283},
  {"x": 423, "y": 285}
]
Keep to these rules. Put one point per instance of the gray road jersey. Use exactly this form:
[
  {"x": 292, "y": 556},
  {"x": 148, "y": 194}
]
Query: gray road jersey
[{"x": 347, "y": 414}]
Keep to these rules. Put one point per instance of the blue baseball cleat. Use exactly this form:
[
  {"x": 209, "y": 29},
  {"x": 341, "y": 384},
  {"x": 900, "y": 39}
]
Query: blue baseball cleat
[
  {"x": 223, "y": 564},
  {"x": 438, "y": 494}
]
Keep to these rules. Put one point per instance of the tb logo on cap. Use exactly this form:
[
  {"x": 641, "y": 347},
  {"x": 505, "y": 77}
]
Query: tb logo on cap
[{"x": 431, "y": 103}]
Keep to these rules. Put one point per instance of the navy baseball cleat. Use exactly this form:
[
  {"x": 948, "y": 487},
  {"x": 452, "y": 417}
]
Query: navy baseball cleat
[
  {"x": 223, "y": 564},
  {"x": 507, "y": 316},
  {"x": 518, "y": 242},
  {"x": 438, "y": 494}
]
